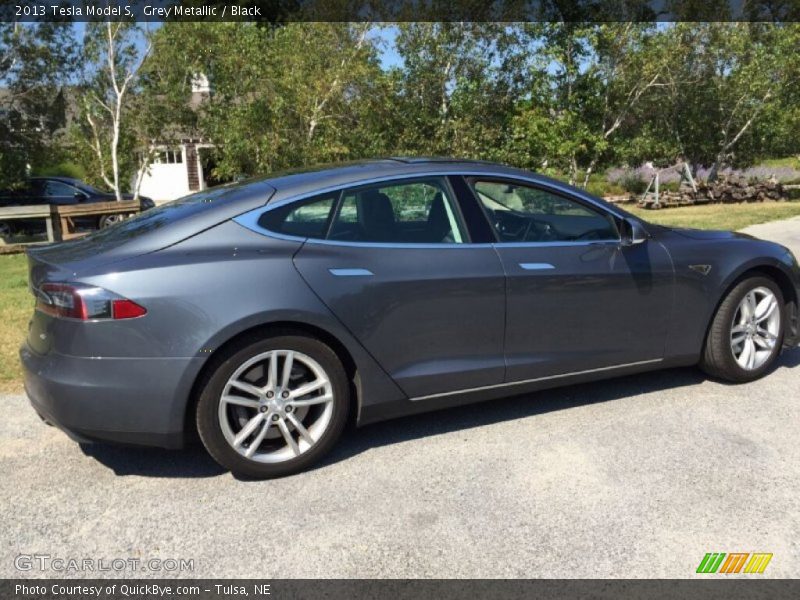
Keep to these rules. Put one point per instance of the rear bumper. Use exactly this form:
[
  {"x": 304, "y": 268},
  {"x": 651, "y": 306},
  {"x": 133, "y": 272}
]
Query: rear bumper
[{"x": 125, "y": 400}]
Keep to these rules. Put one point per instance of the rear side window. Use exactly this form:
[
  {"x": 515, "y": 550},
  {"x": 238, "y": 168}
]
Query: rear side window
[
  {"x": 308, "y": 218},
  {"x": 399, "y": 212}
]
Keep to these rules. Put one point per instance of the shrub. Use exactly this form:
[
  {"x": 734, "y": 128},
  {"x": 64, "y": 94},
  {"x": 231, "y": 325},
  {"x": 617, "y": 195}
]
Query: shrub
[{"x": 64, "y": 169}]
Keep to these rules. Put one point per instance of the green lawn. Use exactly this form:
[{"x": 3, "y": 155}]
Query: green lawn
[
  {"x": 16, "y": 307},
  {"x": 718, "y": 216},
  {"x": 16, "y": 303}
]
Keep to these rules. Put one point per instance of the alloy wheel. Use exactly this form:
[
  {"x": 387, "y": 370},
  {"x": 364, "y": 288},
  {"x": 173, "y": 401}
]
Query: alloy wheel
[
  {"x": 276, "y": 406},
  {"x": 755, "y": 328}
]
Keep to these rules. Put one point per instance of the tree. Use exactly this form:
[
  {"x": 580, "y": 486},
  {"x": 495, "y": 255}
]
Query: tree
[
  {"x": 112, "y": 62},
  {"x": 36, "y": 61},
  {"x": 456, "y": 88},
  {"x": 585, "y": 84},
  {"x": 721, "y": 83},
  {"x": 283, "y": 96}
]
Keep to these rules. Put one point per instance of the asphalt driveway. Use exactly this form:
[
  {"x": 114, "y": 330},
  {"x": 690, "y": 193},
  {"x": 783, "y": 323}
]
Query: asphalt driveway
[{"x": 632, "y": 477}]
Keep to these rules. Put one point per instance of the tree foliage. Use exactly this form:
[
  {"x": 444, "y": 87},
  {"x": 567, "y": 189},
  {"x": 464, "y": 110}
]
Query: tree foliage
[
  {"x": 35, "y": 60},
  {"x": 566, "y": 98}
]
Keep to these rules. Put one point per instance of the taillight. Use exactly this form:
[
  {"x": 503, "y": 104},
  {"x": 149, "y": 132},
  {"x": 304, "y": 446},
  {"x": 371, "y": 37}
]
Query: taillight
[{"x": 85, "y": 303}]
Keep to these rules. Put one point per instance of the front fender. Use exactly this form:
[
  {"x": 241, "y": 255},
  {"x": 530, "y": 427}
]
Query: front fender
[{"x": 706, "y": 270}]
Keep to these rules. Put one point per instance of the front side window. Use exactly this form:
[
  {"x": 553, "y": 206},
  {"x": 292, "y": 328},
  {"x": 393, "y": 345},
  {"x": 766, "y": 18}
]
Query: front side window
[
  {"x": 400, "y": 212},
  {"x": 521, "y": 213}
]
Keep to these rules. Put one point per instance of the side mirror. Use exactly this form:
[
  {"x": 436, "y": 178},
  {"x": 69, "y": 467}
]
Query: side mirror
[
  {"x": 633, "y": 232},
  {"x": 80, "y": 197}
]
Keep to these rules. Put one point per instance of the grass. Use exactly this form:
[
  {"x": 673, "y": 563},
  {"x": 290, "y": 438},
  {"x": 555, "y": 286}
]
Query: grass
[
  {"x": 719, "y": 216},
  {"x": 16, "y": 308},
  {"x": 789, "y": 161},
  {"x": 16, "y": 303}
]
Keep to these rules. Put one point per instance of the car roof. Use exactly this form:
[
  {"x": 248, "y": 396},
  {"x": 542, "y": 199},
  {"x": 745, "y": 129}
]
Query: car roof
[{"x": 329, "y": 176}]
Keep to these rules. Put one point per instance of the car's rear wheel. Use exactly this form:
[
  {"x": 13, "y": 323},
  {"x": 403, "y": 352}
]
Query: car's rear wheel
[
  {"x": 274, "y": 406},
  {"x": 746, "y": 335},
  {"x": 108, "y": 220}
]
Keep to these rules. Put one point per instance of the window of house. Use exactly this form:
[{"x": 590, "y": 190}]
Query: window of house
[
  {"x": 168, "y": 157},
  {"x": 522, "y": 213}
]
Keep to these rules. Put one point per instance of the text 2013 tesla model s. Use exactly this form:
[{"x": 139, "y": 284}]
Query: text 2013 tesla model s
[{"x": 264, "y": 313}]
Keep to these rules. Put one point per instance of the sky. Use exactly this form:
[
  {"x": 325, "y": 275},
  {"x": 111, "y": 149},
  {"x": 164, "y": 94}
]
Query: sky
[{"x": 389, "y": 56}]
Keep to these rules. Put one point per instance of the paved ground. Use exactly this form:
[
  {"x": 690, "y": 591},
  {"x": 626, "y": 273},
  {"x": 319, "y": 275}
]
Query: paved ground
[
  {"x": 786, "y": 232},
  {"x": 634, "y": 477}
]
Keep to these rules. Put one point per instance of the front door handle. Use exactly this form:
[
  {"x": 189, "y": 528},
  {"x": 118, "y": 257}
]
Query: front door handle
[
  {"x": 351, "y": 272},
  {"x": 536, "y": 266}
]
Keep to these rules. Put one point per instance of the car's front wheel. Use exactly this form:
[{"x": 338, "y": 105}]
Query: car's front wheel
[
  {"x": 273, "y": 406},
  {"x": 746, "y": 335}
]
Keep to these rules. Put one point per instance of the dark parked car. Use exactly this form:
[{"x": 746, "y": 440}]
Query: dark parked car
[
  {"x": 264, "y": 314},
  {"x": 61, "y": 191}
]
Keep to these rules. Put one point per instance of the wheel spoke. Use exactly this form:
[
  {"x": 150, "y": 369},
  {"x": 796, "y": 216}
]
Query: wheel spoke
[
  {"x": 287, "y": 435},
  {"x": 763, "y": 342},
  {"x": 751, "y": 353},
  {"x": 251, "y": 449},
  {"x": 287, "y": 370},
  {"x": 748, "y": 307},
  {"x": 738, "y": 339},
  {"x": 247, "y": 430},
  {"x": 307, "y": 388},
  {"x": 245, "y": 387},
  {"x": 765, "y": 308},
  {"x": 272, "y": 372},
  {"x": 239, "y": 401},
  {"x": 304, "y": 433},
  {"x": 744, "y": 357},
  {"x": 768, "y": 335},
  {"x": 311, "y": 401}
]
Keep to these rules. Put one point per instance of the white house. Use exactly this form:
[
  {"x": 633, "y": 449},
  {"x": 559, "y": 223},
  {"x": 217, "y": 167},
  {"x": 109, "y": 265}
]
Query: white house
[{"x": 177, "y": 170}]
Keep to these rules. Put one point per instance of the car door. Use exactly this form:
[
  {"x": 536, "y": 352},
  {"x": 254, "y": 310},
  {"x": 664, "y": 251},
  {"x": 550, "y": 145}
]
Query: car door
[
  {"x": 578, "y": 299},
  {"x": 397, "y": 269}
]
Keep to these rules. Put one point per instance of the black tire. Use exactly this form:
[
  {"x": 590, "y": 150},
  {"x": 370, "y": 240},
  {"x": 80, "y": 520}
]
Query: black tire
[
  {"x": 718, "y": 359},
  {"x": 208, "y": 423}
]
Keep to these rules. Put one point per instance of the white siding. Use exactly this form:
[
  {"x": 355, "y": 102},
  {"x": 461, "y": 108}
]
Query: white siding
[{"x": 165, "y": 182}]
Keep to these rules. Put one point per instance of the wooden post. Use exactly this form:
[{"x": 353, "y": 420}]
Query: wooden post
[
  {"x": 50, "y": 233},
  {"x": 54, "y": 225},
  {"x": 658, "y": 205}
]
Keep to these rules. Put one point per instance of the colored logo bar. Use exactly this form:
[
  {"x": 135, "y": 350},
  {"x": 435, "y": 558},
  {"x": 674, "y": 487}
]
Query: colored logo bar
[{"x": 735, "y": 562}]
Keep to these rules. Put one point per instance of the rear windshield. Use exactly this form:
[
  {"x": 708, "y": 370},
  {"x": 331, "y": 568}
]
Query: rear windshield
[
  {"x": 121, "y": 233},
  {"x": 158, "y": 217}
]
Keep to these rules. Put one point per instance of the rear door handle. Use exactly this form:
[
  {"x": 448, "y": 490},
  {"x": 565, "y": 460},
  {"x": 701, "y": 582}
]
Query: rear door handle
[
  {"x": 351, "y": 272},
  {"x": 536, "y": 266}
]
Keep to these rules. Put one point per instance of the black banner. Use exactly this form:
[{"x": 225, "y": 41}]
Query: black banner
[
  {"x": 414, "y": 589},
  {"x": 400, "y": 10}
]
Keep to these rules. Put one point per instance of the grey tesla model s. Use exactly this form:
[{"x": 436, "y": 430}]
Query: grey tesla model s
[{"x": 265, "y": 314}]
